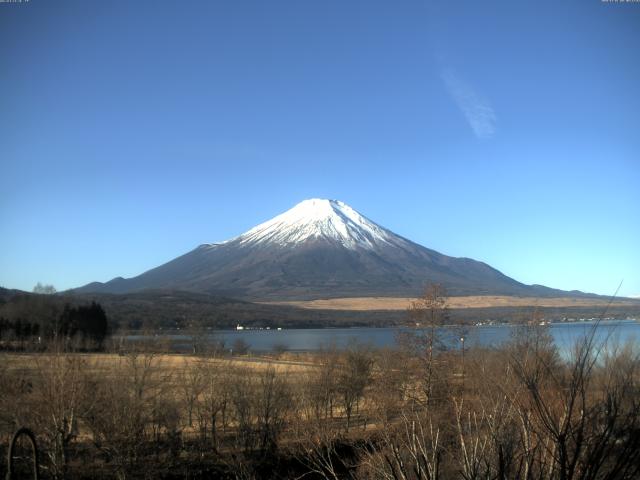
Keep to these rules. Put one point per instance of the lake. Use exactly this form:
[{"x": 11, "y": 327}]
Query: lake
[{"x": 564, "y": 335}]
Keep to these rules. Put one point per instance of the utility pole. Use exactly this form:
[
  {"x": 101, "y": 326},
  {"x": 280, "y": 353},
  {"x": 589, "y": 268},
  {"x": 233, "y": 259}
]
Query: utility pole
[{"x": 462, "y": 345}]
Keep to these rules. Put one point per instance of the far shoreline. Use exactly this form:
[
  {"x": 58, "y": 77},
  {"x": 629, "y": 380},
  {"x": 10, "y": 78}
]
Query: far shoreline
[{"x": 462, "y": 302}]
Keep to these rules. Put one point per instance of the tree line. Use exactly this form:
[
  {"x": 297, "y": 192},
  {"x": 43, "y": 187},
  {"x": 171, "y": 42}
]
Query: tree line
[{"x": 28, "y": 321}]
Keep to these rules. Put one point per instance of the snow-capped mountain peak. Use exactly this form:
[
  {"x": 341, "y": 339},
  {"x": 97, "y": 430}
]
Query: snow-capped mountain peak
[
  {"x": 320, "y": 219},
  {"x": 319, "y": 249}
]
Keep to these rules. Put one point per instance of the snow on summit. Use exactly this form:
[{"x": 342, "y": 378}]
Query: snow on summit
[
  {"x": 317, "y": 218},
  {"x": 318, "y": 249}
]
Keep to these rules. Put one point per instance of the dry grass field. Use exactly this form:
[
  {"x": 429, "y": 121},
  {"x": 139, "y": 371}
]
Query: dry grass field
[
  {"x": 288, "y": 363},
  {"x": 402, "y": 303},
  {"x": 151, "y": 414}
]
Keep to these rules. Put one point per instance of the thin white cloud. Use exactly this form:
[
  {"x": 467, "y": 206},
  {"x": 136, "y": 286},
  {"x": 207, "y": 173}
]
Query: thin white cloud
[{"x": 477, "y": 110}]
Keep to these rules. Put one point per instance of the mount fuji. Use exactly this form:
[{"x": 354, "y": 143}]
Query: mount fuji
[{"x": 319, "y": 249}]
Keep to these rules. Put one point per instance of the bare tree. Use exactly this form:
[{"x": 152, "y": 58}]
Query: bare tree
[
  {"x": 577, "y": 427},
  {"x": 129, "y": 410},
  {"x": 320, "y": 386},
  {"x": 44, "y": 289},
  {"x": 389, "y": 385},
  {"x": 240, "y": 347},
  {"x": 411, "y": 449},
  {"x": 320, "y": 451},
  {"x": 272, "y": 404},
  {"x": 261, "y": 404},
  {"x": 427, "y": 314},
  {"x": 354, "y": 376},
  {"x": 197, "y": 336},
  {"x": 190, "y": 385},
  {"x": 242, "y": 391},
  {"x": 60, "y": 398},
  {"x": 212, "y": 405}
]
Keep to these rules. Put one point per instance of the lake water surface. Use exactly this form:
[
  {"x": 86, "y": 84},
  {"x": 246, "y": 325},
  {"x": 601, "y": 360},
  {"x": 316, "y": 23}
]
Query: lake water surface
[{"x": 564, "y": 335}]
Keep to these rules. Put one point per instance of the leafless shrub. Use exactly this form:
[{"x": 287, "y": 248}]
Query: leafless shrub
[
  {"x": 390, "y": 385},
  {"x": 129, "y": 410},
  {"x": 240, "y": 347},
  {"x": 212, "y": 405},
  {"x": 575, "y": 426},
  {"x": 320, "y": 386},
  {"x": 60, "y": 397},
  {"x": 191, "y": 383},
  {"x": 280, "y": 349},
  {"x": 260, "y": 406},
  {"x": 319, "y": 449},
  {"x": 411, "y": 449},
  {"x": 354, "y": 376}
]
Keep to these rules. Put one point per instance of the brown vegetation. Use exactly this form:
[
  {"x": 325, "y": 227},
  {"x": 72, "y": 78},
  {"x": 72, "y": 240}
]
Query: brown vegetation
[
  {"x": 478, "y": 301},
  {"x": 417, "y": 412}
]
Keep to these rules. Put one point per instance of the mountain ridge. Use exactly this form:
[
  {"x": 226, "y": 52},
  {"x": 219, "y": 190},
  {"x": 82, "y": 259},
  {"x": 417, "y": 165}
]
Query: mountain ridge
[{"x": 321, "y": 249}]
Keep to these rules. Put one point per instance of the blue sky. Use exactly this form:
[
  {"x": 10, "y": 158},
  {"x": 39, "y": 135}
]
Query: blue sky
[{"x": 509, "y": 132}]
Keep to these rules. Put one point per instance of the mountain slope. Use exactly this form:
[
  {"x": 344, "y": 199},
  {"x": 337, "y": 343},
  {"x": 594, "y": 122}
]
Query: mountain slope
[{"x": 319, "y": 249}]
